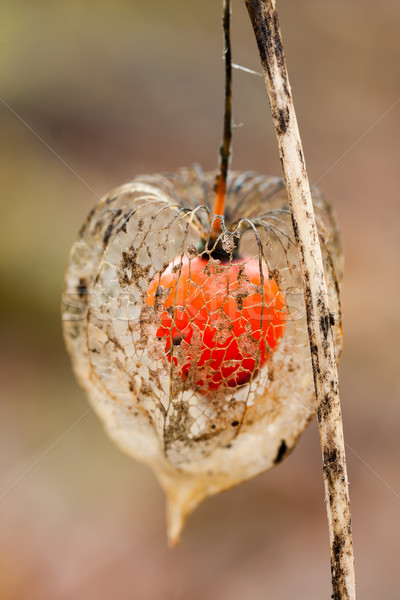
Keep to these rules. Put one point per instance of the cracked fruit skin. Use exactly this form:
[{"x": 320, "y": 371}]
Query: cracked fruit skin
[{"x": 220, "y": 321}]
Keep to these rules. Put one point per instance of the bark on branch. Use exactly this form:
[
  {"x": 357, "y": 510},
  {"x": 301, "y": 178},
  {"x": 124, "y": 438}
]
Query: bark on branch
[{"x": 266, "y": 27}]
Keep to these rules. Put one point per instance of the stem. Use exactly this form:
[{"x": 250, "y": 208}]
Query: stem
[
  {"x": 225, "y": 149},
  {"x": 266, "y": 27}
]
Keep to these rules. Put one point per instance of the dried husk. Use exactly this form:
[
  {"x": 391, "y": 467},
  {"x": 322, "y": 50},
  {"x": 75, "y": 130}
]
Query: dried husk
[{"x": 197, "y": 444}]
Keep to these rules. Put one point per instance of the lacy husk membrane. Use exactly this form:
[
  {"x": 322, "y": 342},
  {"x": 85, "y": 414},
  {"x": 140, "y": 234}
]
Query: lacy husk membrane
[{"x": 154, "y": 395}]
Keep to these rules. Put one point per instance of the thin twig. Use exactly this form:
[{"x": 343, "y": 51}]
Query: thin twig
[
  {"x": 225, "y": 149},
  {"x": 266, "y": 27}
]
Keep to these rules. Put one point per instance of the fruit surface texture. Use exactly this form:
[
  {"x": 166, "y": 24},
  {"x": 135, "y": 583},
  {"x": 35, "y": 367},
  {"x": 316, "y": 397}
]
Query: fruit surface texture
[{"x": 227, "y": 318}]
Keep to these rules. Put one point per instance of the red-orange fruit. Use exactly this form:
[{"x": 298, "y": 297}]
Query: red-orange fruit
[{"x": 220, "y": 321}]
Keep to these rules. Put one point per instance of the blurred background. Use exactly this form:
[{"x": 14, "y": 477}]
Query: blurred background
[{"x": 93, "y": 93}]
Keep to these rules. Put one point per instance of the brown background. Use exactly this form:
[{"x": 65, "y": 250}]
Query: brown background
[{"x": 127, "y": 87}]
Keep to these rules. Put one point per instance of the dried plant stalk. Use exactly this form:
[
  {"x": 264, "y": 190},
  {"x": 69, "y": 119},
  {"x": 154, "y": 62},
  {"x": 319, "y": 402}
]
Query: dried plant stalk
[{"x": 266, "y": 27}]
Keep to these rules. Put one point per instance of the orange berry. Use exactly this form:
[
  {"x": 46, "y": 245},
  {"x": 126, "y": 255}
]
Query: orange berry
[{"x": 220, "y": 321}]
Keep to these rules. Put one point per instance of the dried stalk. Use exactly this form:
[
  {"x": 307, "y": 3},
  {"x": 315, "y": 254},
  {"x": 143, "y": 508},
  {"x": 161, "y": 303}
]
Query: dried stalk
[
  {"x": 266, "y": 27},
  {"x": 226, "y": 146}
]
